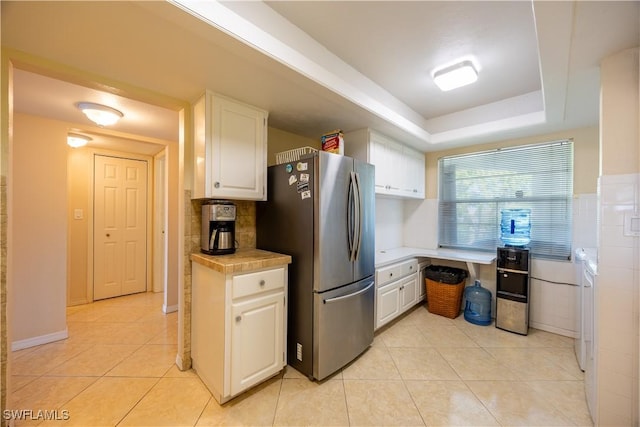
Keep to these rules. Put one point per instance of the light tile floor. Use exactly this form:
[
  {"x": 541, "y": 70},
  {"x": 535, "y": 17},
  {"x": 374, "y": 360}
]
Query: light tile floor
[{"x": 117, "y": 368}]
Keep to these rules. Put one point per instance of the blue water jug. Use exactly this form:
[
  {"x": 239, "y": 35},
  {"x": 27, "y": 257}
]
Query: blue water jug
[
  {"x": 477, "y": 306},
  {"x": 515, "y": 227}
]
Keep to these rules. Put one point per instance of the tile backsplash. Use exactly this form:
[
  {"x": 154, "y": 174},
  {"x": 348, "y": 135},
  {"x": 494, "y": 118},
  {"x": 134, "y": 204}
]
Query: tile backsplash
[{"x": 617, "y": 302}]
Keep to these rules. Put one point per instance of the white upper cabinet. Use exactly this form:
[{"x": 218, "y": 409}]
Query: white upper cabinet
[
  {"x": 414, "y": 180},
  {"x": 400, "y": 170},
  {"x": 230, "y": 149}
]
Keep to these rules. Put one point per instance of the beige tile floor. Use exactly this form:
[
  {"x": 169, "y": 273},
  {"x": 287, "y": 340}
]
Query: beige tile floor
[{"x": 117, "y": 368}]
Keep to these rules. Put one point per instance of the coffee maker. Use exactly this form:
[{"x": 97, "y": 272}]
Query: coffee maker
[{"x": 218, "y": 228}]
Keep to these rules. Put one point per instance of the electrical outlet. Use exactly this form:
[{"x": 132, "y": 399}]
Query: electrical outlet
[
  {"x": 78, "y": 214},
  {"x": 631, "y": 225}
]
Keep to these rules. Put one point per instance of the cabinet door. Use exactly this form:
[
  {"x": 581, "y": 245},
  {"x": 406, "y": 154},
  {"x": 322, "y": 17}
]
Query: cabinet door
[
  {"x": 257, "y": 340},
  {"x": 386, "y": 155},
  {"x": 387, "y": 303},
  {"x": 422, "y": 285},
  {"x": 409, "y": 292},
  {"x": 395, "y": 164},
  {"x": 413, "y": 178},
  {"x": 238, "y": 150},
  {"x": 377, "y": 157}
]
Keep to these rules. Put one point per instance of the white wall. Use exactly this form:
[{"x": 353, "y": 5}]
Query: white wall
[
  {"x": 617, "y": 289},
  {"x": 37, "y": 261},
  {"x": 389, "y": 223},
  {"x": 421, "y": 223}
]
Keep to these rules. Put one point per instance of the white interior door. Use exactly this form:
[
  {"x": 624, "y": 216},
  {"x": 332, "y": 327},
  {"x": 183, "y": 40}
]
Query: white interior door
[{"x": 120, "y": 227}]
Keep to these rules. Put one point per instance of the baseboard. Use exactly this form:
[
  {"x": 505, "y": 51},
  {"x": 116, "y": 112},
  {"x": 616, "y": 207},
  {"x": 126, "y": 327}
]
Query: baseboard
[
  {"x": 553, "y": 329},
  {"x": 169, "y": 308},
  {"x": 42, "y": 339},
  {"x": 182, "y": 364}
]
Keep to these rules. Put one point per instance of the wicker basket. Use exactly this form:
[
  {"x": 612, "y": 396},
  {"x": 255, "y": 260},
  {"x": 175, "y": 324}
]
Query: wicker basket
[{"x": 444, "y": 299}]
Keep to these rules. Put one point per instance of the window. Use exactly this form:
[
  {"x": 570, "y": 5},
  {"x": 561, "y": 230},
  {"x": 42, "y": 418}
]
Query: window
[{"x": 475, "y": 187}]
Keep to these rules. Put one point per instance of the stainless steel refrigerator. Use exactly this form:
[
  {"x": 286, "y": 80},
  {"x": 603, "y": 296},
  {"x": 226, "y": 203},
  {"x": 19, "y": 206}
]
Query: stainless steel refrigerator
[{"x": 321, "y": 211}]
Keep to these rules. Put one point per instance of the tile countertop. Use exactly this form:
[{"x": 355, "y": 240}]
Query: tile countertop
[
  {"x": 472, "y": 258},
  {"x": 242, "y": 260}
]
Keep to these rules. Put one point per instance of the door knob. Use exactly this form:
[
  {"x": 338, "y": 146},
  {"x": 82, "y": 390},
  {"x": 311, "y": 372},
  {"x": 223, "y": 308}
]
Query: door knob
[
  {"x": 216, "y": 185},
  {"x": 108, "y": 235},
  {"x": 238, "y": 318}
]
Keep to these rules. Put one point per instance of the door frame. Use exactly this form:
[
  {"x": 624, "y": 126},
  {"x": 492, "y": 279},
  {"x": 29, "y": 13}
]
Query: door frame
[
  {"x": 160, "y": 224},
  {"x": 90, "y": 221}
]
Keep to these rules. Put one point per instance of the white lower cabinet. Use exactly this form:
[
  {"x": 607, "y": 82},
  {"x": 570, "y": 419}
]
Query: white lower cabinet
[
  {"x": 397, "y": 290},
  {"x": 387, "y": 303},
  {"x": 238, "y": 328},
  {"x": 409, "y": 292},
  {"x": 256, "y": 340}
]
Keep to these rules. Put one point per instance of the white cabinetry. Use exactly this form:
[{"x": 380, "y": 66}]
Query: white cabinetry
[
  {"x": 414, "y": 180},
  {"x": 397, "y": 290},
  {"x": 238, "y": 328},
  {"x": 230, "y": 149},
  {"x": 400, "y": 170}
]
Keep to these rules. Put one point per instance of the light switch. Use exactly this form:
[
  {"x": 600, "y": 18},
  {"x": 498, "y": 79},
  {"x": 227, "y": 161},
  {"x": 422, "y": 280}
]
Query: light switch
[{"x": 78, "y": 214}]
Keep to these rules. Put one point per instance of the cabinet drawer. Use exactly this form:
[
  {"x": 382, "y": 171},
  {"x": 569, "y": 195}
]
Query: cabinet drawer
[
  {"x": 392, "y": 272},
  {"x": 409, "y": 267},
  {"x": 388, "y": 274},
  {"x": 253, "y": 283}
]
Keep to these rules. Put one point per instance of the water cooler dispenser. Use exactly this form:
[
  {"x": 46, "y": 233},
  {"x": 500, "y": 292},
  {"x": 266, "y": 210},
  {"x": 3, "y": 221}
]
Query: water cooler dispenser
[
  {"x": 512, "y": 289},
  {"x": 512, "y": 276}
]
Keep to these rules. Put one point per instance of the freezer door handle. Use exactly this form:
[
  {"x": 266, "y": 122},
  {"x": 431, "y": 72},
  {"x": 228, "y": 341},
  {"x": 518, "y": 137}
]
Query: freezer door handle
[
  {"x": 350, "y": 217},
  {"x": 358, "y": 215},
  {"x": 343, "y": 297}
]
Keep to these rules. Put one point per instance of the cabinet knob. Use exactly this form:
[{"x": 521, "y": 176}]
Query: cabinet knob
[
  {"x": 390, "y": 274},
  {"x": 108, "y": 235},
  {"x": 411, "y": 267},
  {"x": 216, "y": 184},
  {"x": 262, "y": 282},
  {"x": 238, "y": 318}
]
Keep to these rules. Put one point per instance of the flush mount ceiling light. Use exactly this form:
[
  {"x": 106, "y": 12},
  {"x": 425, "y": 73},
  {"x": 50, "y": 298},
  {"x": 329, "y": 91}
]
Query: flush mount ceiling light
[
  {"x": 76, "y": 140},
  {"x": 455, "y": 76},
  {"x": 100, "y": 114}
]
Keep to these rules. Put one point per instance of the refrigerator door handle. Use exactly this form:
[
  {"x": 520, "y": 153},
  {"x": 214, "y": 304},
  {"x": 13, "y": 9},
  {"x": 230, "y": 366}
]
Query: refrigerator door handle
[
  {"x": 350, "y": 214},
  {"x": 343, "y": 297},
  {"x": 359, "y": 219}
]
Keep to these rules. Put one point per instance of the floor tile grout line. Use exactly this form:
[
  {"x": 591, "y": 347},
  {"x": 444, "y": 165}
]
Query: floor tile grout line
[
  {"x": 346, "y": 398},
  {"x": 275, "y": 410},
  {"x": 137, "y": 402},
  {"x": 81, "y": 391},
  {"x": 204, "y": 408}
]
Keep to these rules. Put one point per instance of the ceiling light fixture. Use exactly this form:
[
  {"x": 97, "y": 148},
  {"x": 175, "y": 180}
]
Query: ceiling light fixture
[
  {"x": 455, "y": 76},
  {"x": 76, "y": 140},
  {"x": 100, "y": 114}
]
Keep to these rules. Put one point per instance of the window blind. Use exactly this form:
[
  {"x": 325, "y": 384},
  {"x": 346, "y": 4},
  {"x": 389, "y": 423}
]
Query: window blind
[{"x": 474, "y": 188}]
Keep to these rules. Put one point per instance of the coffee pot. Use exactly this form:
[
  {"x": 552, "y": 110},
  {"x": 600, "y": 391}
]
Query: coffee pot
[{"x": 218, "y": 228}]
